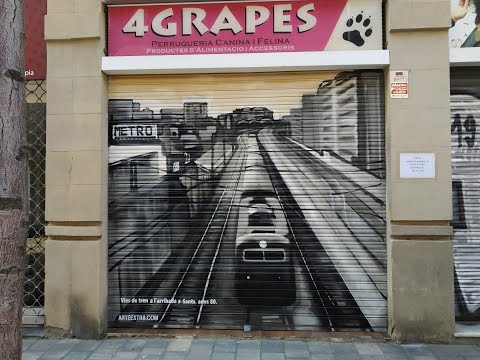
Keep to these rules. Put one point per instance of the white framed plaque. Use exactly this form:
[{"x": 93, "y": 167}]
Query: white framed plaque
[{"x": 417, "y": 166}]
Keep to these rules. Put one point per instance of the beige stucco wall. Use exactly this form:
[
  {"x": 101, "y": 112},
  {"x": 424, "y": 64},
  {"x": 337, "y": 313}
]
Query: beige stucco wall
[
  {"x": 420, "y": 262},
  {"x": 76, "y": 168},
  {"x": 420, "y": 253}
]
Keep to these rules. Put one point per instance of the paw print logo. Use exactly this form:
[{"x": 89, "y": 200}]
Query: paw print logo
[{"x": 358, "y": 29}]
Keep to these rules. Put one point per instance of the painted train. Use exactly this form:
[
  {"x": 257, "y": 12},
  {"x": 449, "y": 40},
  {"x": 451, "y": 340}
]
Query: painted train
[{"x": 264, "y": 273}]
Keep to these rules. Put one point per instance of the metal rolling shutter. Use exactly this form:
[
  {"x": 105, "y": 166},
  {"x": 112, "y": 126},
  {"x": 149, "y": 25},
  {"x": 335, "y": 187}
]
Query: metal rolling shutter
[
  {"x": 247, "y": 201},
  {"x": 465, "y": 112}
]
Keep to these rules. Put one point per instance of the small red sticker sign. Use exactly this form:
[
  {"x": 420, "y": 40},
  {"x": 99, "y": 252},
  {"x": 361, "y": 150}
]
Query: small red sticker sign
[{"x": 399, "y": 84}]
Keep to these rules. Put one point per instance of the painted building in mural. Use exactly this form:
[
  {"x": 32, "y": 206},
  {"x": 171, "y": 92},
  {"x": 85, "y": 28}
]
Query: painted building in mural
[{"x": 264, "y": 165}]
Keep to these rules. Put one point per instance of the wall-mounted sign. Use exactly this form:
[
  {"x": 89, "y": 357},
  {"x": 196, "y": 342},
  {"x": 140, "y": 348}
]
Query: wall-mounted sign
[
  {"x": 417, "y": 166},
  {"x": 134, "y": 132},
  {"x": 244, "y": 27},
  {"x": 465, "y": 15},
  {"x": 399, "y": 84},
  {"x": 35, "y": 46}
]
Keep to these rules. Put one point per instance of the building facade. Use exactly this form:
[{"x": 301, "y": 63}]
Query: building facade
[{"x": 262, "y": 166}]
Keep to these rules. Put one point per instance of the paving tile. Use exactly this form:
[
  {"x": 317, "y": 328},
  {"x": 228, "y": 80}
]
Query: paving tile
[
  {"x": 174, "y": 355},
  {"x": 69, "y": 341},
  {"x": 78, "y": 355},
  {"x": 319, "y": 347},
  {"x": 202, "y": 347},
  {"x": 158, "y": 351},
  {"x": 368, "y": 349},
  {"x": 149, "y": 357},
  {"x": 31, "y": 355},
  {"x": 60, "y": 348},
  {"x": 63, "y": 346},
  {"x": 346, "y": 356},
  {"x": 249, "y": 344},
  {"x": 343, "y": 348},
  {"x": 470, "y": 357},
  {"x": 248, "y": 354},
  {"x": 423, "y": 357},
  {"x": 245, "y": 351},
  {"x": 179, "y": 345},
  {"x": 156, "y": 344},
  {"x": 101, "y": 356},
  {"x": 391, "y": 348},
  {"x": 399, "y": 356},
  {"x": 322, "y": 356},
  {"x": 110, "y": 345},
  {"x": 114, "y": 342},
  {"x": 133, "y": 345},
  {"x": 204, "y": 341},
  {"x": 296, "y": 349},
  {"x": 42, "y": 345},
  {"x": 201, "y": 354},
  {"x": 417, "y": 350},
  {"x": 373, "y": 357},
  {"x": 86, "y": 345},
  {"x": 451, "y": 356},
  {"x": 56, "y": 352},
  {"x": 272, "y": 356},
  {"x": 450, "y": 350},
  {"x": 26, "y": 343},
  {"x": 272, "y": 346},
  {"x": 222, "y": 356},
  {"x": 225, "y": 346},
  {"x": 126, "y": 355},
  {"x": 106, "y": 350}
]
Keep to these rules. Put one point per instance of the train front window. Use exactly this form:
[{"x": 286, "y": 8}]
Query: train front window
[
  {"x": 274, "y": 255},
  {"x": 252, "y": 255},
  {"x": 264, "y": 255}
]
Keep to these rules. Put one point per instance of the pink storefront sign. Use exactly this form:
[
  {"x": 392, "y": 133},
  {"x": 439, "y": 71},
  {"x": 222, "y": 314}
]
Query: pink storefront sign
[{"x": 222, "y": 27}]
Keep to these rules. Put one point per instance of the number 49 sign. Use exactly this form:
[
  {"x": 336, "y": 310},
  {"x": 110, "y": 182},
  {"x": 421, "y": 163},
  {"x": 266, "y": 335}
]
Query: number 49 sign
[{"x": 466, "y": 130}]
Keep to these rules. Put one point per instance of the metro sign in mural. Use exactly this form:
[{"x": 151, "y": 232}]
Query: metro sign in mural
[{"x": 244, "y": 27}]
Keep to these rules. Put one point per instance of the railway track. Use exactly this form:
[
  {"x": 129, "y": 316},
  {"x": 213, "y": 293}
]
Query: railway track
[
  {"x": 186, "y": 304},
  {"x": 265, "y": 316},
  {"x": 336, "y": 306},
  {"x": 324, "y": 301},
  {"x": 320, "y": 293},
  {"x": 364, "y": 208},
  {"x": 317, "y": 282}
]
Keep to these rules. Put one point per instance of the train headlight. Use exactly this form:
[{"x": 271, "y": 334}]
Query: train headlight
[{"x": 263, "y": 244}]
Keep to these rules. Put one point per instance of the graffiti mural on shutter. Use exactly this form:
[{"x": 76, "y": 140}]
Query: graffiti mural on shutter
[
  {"x": 241, "y": 201},
  {"x": 465, "y": 112}
]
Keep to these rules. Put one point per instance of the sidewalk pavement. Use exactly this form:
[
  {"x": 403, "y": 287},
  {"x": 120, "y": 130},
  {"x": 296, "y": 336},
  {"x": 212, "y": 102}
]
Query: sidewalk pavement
[{"x": 238, "y": 349}]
